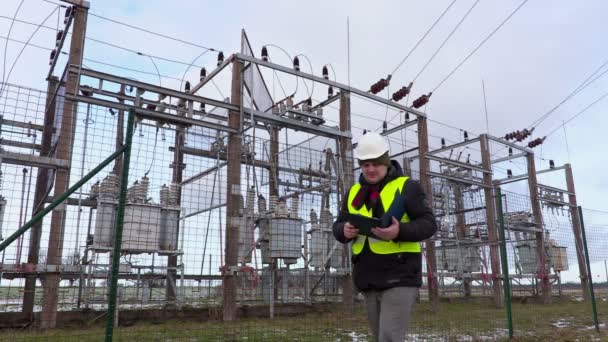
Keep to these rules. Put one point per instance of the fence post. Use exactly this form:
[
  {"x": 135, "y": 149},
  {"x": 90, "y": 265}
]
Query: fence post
[
  {"x": 580, "y": 214},
  {"x": 505, "y": 263},
  {"x": 124, "y": 182}
]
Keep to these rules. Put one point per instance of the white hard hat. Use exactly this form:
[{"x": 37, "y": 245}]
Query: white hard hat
[{"x": 371, "y": 146}]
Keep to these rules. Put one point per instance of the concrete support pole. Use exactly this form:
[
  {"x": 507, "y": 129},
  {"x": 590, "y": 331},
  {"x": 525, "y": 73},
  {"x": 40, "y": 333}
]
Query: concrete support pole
[
  {"x": 62, "y": 177},
  {"x": 232, "y": 199},
  {"x": 541, "y": 257},
  {"x": 346, "y": 156},
  {"x": 576, "y": 231},
  {"x": 425, "y": 181},
  {"x": 42, "y": 183},
  {"x": 491, "y": 221}
]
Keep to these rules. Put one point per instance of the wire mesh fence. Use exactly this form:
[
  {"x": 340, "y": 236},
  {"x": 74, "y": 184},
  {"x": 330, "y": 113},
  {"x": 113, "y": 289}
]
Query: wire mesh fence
[{"x": 289, "y": 278}]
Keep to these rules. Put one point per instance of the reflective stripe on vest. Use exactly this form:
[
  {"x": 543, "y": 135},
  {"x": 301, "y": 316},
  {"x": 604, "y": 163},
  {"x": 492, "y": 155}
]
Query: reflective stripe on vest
[{"x": 387, "y": 196}]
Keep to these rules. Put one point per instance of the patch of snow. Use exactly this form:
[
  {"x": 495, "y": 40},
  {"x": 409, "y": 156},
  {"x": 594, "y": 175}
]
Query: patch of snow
[
  {"x": 561, "y": 323},
  {"x": 357, "y": 337}
]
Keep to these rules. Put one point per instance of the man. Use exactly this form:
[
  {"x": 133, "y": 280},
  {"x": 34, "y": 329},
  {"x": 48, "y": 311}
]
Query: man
[{"x": 387, "y": 262}]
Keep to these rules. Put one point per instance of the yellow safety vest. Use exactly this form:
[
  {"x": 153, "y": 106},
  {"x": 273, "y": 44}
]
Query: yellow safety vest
[{"x": 387, "y": 196}]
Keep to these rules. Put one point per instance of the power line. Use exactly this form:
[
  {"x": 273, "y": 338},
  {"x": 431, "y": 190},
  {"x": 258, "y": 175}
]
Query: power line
[
  {"x": 153, "y": 33},
  {"x": 6, "y": 43},
  {"x": 580, "y": 87},
  {"x": 424, "y": 36},
  {"x": 595, "y": 210},
  {"x": 99, "y": 41},
  {"x": 144, "y": 30},
  {"x": 23, "y": 48},
  {"x": 446, "y": 39},
  {"x": 93, "y": 60},
  {"x": 480, "y": 45},
  {"x": 579, "y": 113}
]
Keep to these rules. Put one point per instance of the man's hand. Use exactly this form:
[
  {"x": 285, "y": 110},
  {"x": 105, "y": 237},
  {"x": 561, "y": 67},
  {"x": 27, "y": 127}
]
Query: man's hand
[
  {"x": 350, "y": 231},
  {"x": 389, "y": 233}
]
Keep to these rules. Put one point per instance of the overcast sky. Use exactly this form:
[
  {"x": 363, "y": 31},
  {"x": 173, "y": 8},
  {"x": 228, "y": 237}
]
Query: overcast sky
[
  {"x": 531, "y": 64},
  {"x": 541, "y": 54}
]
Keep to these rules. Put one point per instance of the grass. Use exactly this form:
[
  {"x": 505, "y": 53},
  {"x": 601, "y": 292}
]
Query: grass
[{"x": 564, "y": 320}]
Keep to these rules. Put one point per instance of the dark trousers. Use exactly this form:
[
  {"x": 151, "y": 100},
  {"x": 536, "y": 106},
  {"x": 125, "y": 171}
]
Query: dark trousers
[{"x": 389, "y": 311}]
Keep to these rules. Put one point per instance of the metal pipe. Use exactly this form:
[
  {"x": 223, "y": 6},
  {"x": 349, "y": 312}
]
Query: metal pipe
[
  {"x": 593, "y": 304},
  {"x": 84, "y": 149},
  {"x": 503, "y": 258},
  {"x": 120, "y": 216}
]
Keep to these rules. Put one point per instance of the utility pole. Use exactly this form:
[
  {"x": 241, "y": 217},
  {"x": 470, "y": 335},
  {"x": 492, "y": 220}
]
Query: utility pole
[
  {"x": 62, "y": 179},
  {"x": 543, "y": 269},
  {"x": 491, "y": 220},
  {"x": 232, "y": 199},
  {"x": 42, "y": 185},
  {"x": 425, "y": 181},
  {"x": 346, "y": 154},
  {"x": 576, "y": 230}
]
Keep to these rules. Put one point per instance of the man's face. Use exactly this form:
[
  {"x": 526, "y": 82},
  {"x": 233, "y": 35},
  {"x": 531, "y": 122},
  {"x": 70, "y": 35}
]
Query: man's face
[{"x": 373, "y": 172}]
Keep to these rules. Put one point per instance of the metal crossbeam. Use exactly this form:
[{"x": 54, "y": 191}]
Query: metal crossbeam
[
  {"x": 33, "y": 160},
  {"x": 514, "y": 156},
  {"x": 152, "y": 114},
  {"x": 150, "y": 87},
  {"x": 456, "y": 179},
  {"x": 457, "y": 163},
  {"x": 451, "y": 147},
  {"x": 507, "y": 143},
  {"x": 331, "y": 83},
  {"x": 209, "y": 77}
]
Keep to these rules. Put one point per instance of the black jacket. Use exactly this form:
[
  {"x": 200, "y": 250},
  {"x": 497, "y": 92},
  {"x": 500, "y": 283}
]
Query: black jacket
[{"x": 376, "y": 271}]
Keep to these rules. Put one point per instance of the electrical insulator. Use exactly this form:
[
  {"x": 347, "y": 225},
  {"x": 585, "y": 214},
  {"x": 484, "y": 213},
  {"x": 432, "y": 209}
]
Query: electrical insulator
[
  {"x": 384, "y": 126},
  {"x": 536, "y": 142},
  {"x": 203, "y": 73},
  {"x": 250, "y": 200},
  {"x": 442, "y": 142},
  {"x": 264, "y": 54},
  {"x": 330, "y": 91},
  {"x": 86, "y": 91},
  {"x": 510, "y": 151},
  {"x": 261, "y": 204},
  {"x": 296, "y": 63},
  {"x": 468, "y": 158},
  {"x": 220, "y": 58},
  {"x": 187, "y": 86},
  {"x": 421, "y": 101},
  {"x": 325, "y": 73},
  {"x": 314, "y": 219},
  {"x": 320, "y": 112},
  {"x": 58, "y": 38},
  {"x": 53, "y": 54},
  {"x": 380, "y": 85},
  {"x": 466, "y": 135},
  {"x": 202, "y": 108},
  {"x": 289, "y": 102},
  {"x": 68, "y": 13},
  {"x": 275, "y": 109},
  {"x": 407, "y": 116},
  {"x": 401, "y": 93},
  {"x": 164, "y": 194},
  {"x": 295, "y": 206},
  {"x": 509, "y": 173},
  {"x": 551, "y": 164}
]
